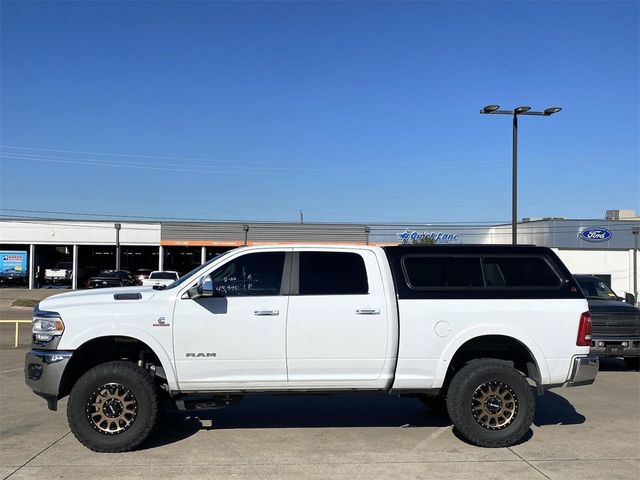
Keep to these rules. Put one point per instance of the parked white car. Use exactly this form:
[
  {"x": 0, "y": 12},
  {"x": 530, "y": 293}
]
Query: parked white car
[{"x": 156, "y": 278}]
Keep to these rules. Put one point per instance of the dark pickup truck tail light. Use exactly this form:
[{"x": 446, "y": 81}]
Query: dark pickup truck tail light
[{"x": 584, "y": 330}]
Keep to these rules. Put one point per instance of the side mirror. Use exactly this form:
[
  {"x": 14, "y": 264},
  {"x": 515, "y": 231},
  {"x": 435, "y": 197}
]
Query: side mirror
[
  {"x": 204, "y": 288},
  {"x": 630, "y": 298}
]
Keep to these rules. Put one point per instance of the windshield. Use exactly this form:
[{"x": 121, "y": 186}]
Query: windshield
[
  {"x": 163, "y": 276},
  {"x": 195, "y": 271},
  {"x": 593, "y": 287}
]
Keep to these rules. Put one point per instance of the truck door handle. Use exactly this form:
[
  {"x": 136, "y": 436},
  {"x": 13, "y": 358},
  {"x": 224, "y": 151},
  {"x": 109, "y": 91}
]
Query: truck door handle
[
  {"x": 368, "y": 311},
  {"x": 262, "y": 313}
]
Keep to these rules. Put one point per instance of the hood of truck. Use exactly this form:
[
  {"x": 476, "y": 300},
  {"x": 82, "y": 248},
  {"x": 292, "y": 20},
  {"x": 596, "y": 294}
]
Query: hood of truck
[{"x": 98, "y": 296}]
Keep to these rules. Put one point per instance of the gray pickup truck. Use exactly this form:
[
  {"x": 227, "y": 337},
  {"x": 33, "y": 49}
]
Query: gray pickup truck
[{"x": 616, "y": 323}]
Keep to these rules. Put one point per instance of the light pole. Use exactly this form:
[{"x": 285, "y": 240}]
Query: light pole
[
  {"x": 245, "y": 229},
  {"x": 495, "y": 110},
  {"x": 635, "y": 231},
  {"x": 117, "y": 227}
]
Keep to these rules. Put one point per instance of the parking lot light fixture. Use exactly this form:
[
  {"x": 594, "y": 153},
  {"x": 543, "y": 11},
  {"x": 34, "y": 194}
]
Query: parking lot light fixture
[
  {"x": 523, "y": 110},
  {"x": 551, "y": 110},
  {"x": 490, "y": 108}
]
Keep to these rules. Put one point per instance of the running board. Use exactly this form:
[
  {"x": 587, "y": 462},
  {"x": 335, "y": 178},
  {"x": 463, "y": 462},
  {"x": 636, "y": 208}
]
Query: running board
[{"x": 206, "y": 402}]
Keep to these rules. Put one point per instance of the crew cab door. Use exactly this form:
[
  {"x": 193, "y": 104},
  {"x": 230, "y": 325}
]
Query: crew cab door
[
  {"x": 337, "y": 325},
  {"x": 236, "y": 338}
]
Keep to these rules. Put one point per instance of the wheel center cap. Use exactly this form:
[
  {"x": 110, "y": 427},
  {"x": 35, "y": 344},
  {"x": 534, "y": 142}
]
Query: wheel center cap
[
  {"x": 112, "y": 408},
  {"x": 493, "y": 404}
]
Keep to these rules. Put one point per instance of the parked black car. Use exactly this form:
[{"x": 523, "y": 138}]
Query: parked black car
[
  {"x": 616, "y": 323},
  {"x": 112, "y": 278}
]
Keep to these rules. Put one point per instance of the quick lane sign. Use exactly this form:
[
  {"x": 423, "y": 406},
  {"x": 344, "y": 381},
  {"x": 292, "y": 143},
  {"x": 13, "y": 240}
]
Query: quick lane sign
[{"x": 438, "y": 237}]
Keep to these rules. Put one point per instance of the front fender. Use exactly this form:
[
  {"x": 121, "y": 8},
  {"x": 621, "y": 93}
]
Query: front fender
[
  {"x": 480, "y": 331},
  {"x": 73, "y": 343}
]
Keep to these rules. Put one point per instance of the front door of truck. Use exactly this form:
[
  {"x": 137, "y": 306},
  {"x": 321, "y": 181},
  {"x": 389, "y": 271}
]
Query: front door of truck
[
  {"x": 337, "y": 325},
  {"x": 238, "y": 336}
]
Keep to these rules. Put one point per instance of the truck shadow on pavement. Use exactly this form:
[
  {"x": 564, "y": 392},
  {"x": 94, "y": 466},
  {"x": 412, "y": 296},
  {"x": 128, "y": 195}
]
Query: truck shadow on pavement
[
  {"x": 332, "y": 411},
  {"x": 299, "y": 411},
  {"x": 552, "y": 409},
  {"x": 612, "y": 364}
]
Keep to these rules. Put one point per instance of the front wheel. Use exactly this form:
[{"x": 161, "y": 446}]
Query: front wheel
[
  {"x": 490, "y": 403},
  {"x": 113, "y": 407}
]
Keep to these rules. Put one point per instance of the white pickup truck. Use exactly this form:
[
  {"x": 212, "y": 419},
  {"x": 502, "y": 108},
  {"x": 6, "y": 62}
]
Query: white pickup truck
[
  {"x": 61, "y": 273},
  {"x": 157, "y": 278},
  {"x": 479, "y": 329}
]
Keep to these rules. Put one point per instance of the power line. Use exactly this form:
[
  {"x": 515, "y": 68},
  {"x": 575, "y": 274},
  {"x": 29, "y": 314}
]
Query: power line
[
  {"x": 323, "y": 164},
  {"x": 115, "y": 216},
  {"x": 326, "y": 228},
  {"x": 236, "y": 168}
]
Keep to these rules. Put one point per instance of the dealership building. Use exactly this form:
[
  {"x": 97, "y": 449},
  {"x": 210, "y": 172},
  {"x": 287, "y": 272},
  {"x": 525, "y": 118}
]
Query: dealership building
[{"x": 604, "y": 247}]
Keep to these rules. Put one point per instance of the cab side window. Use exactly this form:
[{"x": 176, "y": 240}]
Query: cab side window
[
  {"x": 332, "y": 273},
  {"x": 254, "y": 274}
]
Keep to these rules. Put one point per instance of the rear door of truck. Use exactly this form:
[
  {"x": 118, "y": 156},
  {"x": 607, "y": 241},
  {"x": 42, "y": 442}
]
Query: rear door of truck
[{"x": 338, "y": 327}]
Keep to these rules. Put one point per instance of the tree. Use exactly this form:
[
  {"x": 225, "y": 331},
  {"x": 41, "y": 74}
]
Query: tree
[{"x": 423, "y": 241}]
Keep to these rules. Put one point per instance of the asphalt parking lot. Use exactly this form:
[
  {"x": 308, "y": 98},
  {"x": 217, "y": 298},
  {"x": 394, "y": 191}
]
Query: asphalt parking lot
[{"x": 586, "y": 432}]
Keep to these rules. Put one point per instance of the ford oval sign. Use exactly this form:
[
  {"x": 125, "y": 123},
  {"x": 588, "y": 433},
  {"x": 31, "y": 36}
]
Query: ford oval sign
[{"x": 595, "y": 234}]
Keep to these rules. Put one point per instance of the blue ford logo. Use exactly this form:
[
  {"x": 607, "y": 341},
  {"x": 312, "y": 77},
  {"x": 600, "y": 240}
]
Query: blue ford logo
[{"x": 594, "y": 234}]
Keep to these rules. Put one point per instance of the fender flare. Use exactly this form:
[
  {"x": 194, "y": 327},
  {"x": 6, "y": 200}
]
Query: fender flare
[
  {"x": 481, "y": 331},
  {"x": 132, "y": 332}
]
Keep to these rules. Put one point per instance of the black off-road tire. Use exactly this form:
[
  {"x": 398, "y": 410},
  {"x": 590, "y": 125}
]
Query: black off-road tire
[
  {"x": 633, "y": 363},
  {"x": 141, "y": 388},
  {"x": 512, "y": 391}
]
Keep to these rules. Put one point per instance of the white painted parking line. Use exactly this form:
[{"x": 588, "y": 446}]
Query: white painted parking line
[
  {"x": 13, "y": 370},
  {"x": 439, "y": 432}
]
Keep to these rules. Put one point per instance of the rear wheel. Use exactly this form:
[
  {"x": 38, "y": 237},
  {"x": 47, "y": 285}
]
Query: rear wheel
[
  {"x": 490, "y": 403},
  {"x": 113, "y": 407},
  {"x": 633, "y": 363}
]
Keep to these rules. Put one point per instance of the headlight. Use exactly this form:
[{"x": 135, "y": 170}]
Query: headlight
[{"x": 46, "y": 325}]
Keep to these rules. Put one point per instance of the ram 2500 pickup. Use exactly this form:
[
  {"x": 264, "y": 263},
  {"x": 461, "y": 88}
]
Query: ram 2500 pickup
[{"x": 478, "y": 328}]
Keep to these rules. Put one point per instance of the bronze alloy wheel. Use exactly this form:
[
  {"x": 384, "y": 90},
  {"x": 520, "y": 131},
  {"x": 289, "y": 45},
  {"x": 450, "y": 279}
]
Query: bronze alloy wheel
[
  {"x": 494, "y": 405},
  {"x": 111, "y": 409}
]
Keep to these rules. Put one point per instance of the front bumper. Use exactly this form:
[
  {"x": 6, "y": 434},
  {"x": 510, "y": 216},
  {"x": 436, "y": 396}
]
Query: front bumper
[
  {"x": 584, "y": 371},
  {"x": 43, "y": 371}
]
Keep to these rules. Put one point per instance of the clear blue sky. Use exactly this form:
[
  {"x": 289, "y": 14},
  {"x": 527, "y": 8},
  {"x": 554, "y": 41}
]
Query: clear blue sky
[{"x": 350, "y": 111}]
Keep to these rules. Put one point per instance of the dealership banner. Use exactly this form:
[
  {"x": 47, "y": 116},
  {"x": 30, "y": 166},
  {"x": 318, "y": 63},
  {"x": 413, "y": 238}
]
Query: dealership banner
[{"x": 13, "y": 263}]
